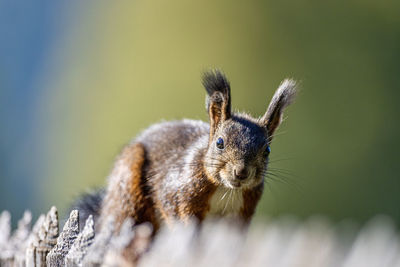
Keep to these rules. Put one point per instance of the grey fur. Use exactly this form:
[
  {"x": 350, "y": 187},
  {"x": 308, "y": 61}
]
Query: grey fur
[{"x": 182, "y": 162}]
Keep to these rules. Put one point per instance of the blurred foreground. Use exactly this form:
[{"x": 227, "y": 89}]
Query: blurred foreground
[{"x": 282, "y": 242}]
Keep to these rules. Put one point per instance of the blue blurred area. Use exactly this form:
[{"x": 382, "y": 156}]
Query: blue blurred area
[{"x": 27, "y": 31}]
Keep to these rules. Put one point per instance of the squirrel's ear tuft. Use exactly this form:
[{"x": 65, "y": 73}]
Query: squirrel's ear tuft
[
  {"x": 218, "y": 101},
  {"x": 283, "y": 96}
]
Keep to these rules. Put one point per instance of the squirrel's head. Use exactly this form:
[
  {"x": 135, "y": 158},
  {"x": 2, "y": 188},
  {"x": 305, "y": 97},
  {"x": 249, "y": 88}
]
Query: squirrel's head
[{"x": 239, "y": 145}]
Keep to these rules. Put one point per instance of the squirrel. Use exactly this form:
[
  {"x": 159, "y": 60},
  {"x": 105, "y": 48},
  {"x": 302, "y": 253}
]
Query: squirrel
[{"x": 186, "y": 169}]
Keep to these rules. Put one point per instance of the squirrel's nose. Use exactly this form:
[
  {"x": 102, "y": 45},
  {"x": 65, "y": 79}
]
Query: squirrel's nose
[{"x": 240, "y": 172}]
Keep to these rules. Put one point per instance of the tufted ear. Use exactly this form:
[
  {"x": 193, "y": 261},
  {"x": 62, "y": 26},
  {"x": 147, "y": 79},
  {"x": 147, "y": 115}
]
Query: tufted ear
[
  {"x": 283, "y": 96},
  {"x": 218, "y": 101}
]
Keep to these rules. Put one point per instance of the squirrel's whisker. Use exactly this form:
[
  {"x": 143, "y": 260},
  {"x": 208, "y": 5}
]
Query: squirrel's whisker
[
  {"x": 224, "y": 195},
  {"x": 276, "y": 134},
  {"x": 284, "y": 180},
  {"x": 278, "y": 160}
]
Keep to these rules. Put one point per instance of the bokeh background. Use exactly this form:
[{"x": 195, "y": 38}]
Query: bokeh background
[{"x": 79, "y": 79}]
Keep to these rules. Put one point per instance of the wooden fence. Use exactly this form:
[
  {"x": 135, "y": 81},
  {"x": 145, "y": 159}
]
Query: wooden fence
[{"x": 282, "y": 242}]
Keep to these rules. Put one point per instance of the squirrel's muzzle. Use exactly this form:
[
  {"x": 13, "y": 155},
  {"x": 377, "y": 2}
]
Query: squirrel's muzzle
[{"x": 240, "y": 172}]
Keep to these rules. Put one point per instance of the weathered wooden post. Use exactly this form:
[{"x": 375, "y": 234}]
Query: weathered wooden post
[
  {"x": 64, "y": 242},
  {"x": 32, "y": 241},
  {"x": 5, "y": 230},
  {"x": 44, "y": 240},
  {"x": 100, "y": 244},
  {"x": 81, "y": 245},
  {"x": 15, "y": 250}
]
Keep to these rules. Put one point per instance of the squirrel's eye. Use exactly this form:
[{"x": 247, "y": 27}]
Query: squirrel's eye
[
  {"x": 268, "y": 150},
  {"x": 220, "y": 143}
]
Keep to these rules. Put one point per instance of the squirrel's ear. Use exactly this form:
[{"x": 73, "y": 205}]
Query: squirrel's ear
[
  {"x": 218, "y": 101},
  {"x": 283, "y": 96}
]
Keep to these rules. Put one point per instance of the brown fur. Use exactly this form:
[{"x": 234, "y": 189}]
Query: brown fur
[
  {"x": 250, "y": 198},
  {"x": 173, "y": 169},
  {"x": 196, "y": 205},
  {"x": 132, "y": 200},
  {"x": 139, "y": 192}
]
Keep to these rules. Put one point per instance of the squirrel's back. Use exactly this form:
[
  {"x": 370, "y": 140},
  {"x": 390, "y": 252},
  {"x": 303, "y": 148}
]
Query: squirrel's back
[{"x": 169, "y": 141}]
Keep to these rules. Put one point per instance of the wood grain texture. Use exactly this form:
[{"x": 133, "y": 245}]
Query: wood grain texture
[
  {"x": 81, "y": 245},
  {"x": 279, "y": 243},
  {"x": 64, "y": 242}
]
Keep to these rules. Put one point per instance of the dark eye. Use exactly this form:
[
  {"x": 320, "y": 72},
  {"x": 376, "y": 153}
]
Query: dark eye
[
  {"x": 267, "y": 150},
  {"x": 220, "y": 143}
]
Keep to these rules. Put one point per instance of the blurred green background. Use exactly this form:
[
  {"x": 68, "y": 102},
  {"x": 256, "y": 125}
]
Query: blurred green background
[{"x": 79, "y": 79}]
